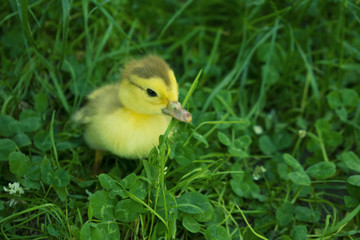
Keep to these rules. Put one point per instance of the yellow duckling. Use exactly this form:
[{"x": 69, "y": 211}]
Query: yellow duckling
[{"x": 127, "y": 118}]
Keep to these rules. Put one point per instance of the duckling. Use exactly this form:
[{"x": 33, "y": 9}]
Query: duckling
[{"x": 126, "y": 118}]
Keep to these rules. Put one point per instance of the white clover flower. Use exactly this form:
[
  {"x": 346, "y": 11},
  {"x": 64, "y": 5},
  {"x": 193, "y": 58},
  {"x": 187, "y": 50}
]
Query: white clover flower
[
  {"x": 258, "y": 129},
  {"x": 256, "y": 176},
  {"x": 302, "y": 133},
  {"x": 13, "y": 202},
  {"x": 258, "y": 171},
  {"x": 262, "y": 169},
  {"x": 14, "y": 188}
]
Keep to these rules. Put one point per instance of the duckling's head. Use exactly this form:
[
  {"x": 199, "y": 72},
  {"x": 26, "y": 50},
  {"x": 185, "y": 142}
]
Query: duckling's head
[{"x": 149, "y": 86}]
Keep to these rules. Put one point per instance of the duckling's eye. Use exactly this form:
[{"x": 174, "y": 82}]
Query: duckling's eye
[{"x": 151, "y": 92}]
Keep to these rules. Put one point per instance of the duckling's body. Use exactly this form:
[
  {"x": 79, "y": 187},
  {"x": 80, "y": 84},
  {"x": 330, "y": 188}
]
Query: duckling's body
[
  {"x": 127, "y": 118},
  {"x": 119, "y": 130}
]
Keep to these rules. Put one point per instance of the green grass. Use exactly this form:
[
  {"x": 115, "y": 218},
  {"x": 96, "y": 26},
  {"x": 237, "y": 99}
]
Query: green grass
[{"x": 272, "y": 153}]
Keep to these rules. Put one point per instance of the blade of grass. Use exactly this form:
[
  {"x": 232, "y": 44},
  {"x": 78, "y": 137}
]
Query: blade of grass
[
  {"x": 172, "y": 19},
  {"x": 58, "y": 88},
  {"x": 24, "y": 18},
  {"x": 52, "y": 139},
  {"x": 257, "y": 107},
  {"x": 211, "y": 123},
  {"x": 192, "y": 88},
  {"x": 350, "y": 7},
  {"x": 322, "y": 145},
  {"x": 23, "y": 13},
  {"x": 340, "y": 225},
  {"x": 65, "y": 29},
  {"x": 214, "y": 50},
  {"x": 238, "y": 68},
  {"x": 89, "y": 45},
  {"x": 136, "y": 199},
  {"x": 35, "y": 18},
  {"x": 88, "y": 50},
  {"x": 247, "y": 223},
  {"x": 6, "y": 102},
  {"x": 267, "y": 67},
  {"x": 92, "y": 64},
  {"x": 227, "y": 106},
  {"x": 117, "y": 26},
  {"x": 13, "y": 14},
  {"x": 100, "y": 46},
  {"x": 95, "y": 8},
  {"x": 125, "y": 50},
  {"x": 274, "y": 14},
  {"x": 74, "y": 79},
  {"x": 20, "y": 87},
  {"x": 179, "y": 42},
  {"x": 125, "y": 46},
  {"x": 41, "y": 207},
  {"x": 311, "y": 78}
]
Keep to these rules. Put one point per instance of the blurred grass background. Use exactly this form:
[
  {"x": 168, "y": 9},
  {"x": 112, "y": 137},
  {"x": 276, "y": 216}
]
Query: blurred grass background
[{"x": 276, "y": 66}]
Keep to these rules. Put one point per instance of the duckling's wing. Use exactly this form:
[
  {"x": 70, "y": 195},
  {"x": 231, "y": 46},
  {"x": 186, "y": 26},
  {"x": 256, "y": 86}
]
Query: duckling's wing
[{"x": 102, "y": 101}]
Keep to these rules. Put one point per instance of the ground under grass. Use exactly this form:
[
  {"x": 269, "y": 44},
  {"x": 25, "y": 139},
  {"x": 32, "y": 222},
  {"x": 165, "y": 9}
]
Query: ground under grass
[{"x": 272, "y": 153}]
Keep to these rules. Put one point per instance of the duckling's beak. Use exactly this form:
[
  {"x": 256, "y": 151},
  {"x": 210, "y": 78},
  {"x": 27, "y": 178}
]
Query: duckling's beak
[{"x": 175, "y": 110}]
